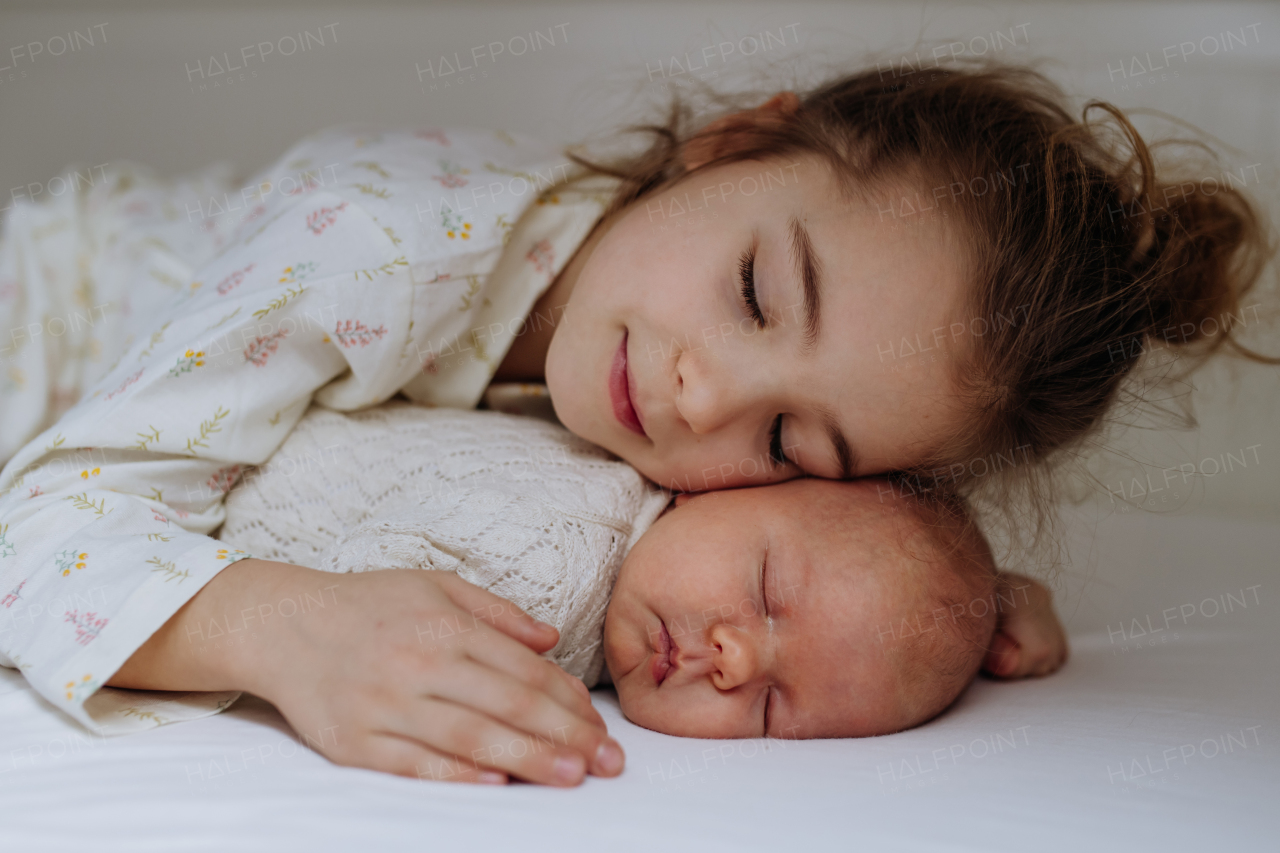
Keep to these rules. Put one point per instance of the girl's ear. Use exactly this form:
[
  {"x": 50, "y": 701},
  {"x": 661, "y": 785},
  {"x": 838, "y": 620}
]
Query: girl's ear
[{"x": 721, "y": 136}]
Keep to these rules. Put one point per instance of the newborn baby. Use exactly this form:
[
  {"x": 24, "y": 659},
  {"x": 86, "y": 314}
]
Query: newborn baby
[
  {"x": 805, "y": 609},
  {"x": 810, "y": 608}
]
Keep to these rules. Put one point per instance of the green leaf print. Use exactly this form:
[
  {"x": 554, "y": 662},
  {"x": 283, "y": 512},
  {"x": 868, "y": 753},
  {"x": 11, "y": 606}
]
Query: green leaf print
[{"x": 207, "y": 428}]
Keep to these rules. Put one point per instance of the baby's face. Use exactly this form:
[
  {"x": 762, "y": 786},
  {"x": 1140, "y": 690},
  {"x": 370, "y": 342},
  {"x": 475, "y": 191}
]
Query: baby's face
[{"x": 761, "y": 611}]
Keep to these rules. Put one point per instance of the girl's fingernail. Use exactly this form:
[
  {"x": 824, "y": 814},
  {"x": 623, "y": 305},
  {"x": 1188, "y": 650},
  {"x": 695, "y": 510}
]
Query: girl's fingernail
[
  {"x": 569, "y": 769},
  {"x": 609, "y": 758},
  {"x": 488, "y": 777}
]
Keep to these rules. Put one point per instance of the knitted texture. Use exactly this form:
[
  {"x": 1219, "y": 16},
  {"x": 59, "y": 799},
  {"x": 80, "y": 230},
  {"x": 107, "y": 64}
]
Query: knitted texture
[{"x": 514, "y": 505}]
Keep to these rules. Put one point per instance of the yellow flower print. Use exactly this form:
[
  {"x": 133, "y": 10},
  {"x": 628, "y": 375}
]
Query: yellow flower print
[
  {"x": 84, "y": 683},
  {"x": 295, "y": 273},
  {"x": 453, "y": 224},
  {"x": 69, "y": 559},
  {"x": 86, "y": 473},
  {"x": 231, "y": 555},
  {"x": 187, "y": 362}
]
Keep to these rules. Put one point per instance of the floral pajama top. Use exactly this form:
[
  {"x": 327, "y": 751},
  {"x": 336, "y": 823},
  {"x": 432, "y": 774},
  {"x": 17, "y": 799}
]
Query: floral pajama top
[{"x": 165, "y": 335}]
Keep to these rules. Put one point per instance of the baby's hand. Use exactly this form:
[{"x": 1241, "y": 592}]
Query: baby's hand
[{"x": 1029, "y": 639}]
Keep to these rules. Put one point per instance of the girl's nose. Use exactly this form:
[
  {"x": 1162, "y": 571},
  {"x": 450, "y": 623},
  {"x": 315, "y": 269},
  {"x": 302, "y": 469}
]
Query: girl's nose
[
  {"x": 735, "y": 659},
  {"x": 709, "y": 394}
]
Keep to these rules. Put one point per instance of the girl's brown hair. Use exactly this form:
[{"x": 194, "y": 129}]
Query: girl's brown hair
[{"x": 1080, "y": 258}]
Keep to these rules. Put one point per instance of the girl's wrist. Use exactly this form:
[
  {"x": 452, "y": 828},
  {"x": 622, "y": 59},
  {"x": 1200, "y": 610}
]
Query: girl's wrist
[{"x": 254, "y": 605}]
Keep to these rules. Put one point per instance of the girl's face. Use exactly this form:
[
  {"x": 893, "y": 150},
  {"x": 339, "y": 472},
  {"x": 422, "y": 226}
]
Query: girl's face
[{"x": 749, "y": 325}]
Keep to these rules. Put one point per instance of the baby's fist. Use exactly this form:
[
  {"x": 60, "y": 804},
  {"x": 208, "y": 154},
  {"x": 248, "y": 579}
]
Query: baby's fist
[{"x": 1029, "y": 639}]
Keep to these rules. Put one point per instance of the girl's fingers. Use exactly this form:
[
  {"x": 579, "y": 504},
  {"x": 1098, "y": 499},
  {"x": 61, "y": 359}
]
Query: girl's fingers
[
  {"x": 505, "y": 655},
  {"x": 531, "y": 712},
  {"x": 457, "y": 730},
  {"x": 499, "y": 613},
  {"x": 394, "y": 753}
]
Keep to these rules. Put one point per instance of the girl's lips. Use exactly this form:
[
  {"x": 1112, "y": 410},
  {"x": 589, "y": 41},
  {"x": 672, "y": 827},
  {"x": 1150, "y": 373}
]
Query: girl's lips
[
  {"x": 620, "y": 390},
  {"x": 661, "y": 665}
]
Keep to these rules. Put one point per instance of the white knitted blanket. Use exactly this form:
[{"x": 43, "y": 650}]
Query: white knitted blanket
[{"x": 520, "y": 507}]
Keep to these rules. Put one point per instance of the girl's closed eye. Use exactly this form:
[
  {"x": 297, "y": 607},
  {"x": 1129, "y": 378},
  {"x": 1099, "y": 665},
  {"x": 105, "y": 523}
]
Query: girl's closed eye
[
  {"x": 747, "y": 279},
  {"x": 776, "y": 454}
]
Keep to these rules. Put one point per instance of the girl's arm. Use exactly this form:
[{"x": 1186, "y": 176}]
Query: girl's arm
[
  {"x": 104, "y": 517},
  {"x": 409, "y": 672}
]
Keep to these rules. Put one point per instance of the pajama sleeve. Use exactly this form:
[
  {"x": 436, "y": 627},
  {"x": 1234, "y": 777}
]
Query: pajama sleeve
[
  {"x": 366, "y": 263},
  {"x": 104, "y": 518}
]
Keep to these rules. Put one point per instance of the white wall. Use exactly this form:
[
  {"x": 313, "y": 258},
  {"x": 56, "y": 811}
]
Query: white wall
[{"x": 136, "y": 94}]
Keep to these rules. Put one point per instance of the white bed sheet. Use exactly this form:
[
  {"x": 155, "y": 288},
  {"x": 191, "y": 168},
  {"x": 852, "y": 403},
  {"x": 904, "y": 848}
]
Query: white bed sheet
[{"x": 1127, "y": 748}]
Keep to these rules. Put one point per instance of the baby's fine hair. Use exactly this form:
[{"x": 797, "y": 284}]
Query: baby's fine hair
[
  {"x": 941, "y": 648},
  {"x": 1079, "y": 257}
]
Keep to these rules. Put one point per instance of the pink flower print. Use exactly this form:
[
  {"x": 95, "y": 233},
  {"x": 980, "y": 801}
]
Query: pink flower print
[
  {"x": 126, "y": 383},
  {"x": 223, "y": 478},
  {"x": 35, "y": 491},
  {"x": 88, "y": 625},
  {"x": 352, "y": 332},
  {"x": 232, "y": 281},
  {"x": 14, "y": 594},
  {"x": 321, "y": 219},
  {"x": 542, "y": 256},
  {"x": 136, "y": 206},
  {"x": 158, "y": 517},
  {"x": 452, "y": 177},
  {"x": 8, "y": 288},
  {"x": 434, "y": 135},
  {"x": 261, "y": 347}
]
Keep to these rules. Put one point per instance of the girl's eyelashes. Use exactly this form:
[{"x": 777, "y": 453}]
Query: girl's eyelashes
[
  {"x": 747, "y": 279},
  {"x": 776, "y": 456}
]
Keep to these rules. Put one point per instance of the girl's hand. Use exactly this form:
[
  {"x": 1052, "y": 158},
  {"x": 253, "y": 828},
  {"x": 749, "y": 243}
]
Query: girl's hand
[
  {"x": 424, "y": 675},
  {"x": 1029, "y": 639}
]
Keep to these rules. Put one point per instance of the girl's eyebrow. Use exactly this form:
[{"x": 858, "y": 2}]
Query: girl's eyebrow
[{"x": 809, "y": 270}]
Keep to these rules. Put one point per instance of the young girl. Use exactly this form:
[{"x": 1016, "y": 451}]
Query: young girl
[{"x": 729, "y": 308}]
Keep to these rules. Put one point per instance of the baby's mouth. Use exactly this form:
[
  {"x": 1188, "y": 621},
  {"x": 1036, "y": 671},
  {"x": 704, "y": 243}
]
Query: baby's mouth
[{"x": 661, "y": 665}]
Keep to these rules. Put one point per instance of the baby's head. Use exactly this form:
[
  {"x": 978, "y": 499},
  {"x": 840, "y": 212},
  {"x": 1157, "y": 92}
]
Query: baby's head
[{"x": 812, "y": 608}]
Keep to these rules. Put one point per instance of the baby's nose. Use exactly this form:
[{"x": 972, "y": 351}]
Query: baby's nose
[{"x": 735, "y": 658}]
